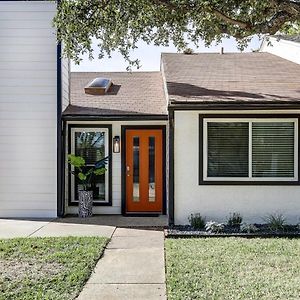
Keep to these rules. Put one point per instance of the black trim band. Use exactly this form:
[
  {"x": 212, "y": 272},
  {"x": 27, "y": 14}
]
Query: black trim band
[
  {"x": 171, "y": 168},
  {"x": 114, "y": 117},
  {"x": 232, "y": 106},
  {"x": 59, "y": 139}
]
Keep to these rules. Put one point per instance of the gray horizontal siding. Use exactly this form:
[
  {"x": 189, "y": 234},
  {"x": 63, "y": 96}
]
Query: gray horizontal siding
[{"x": 27, "y": 109}]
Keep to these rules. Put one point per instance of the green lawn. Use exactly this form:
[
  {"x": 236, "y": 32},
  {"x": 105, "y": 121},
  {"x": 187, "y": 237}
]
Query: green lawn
[
  {"x": 47, "y": 268},
  {"x": 233, "y": 268}
]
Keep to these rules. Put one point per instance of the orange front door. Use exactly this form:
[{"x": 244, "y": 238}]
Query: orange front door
[{"x": 144, "y": 170}]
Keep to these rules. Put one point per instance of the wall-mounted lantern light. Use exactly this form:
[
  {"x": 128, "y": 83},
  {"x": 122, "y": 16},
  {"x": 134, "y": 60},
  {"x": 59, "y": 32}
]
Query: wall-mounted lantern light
[{"x": 116, "y": 144}]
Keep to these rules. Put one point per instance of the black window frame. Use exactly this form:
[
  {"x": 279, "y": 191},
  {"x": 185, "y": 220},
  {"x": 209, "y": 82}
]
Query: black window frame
[
  {"x": 106, "y": 126},
  {"x": 202, "y": 117}
]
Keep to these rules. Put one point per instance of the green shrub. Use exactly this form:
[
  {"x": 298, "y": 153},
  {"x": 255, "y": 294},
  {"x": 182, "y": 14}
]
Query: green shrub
[
  {"x": 197, "y": 221},
  {"x": 276, "y": 222},
  {"x": 235, "y": 219}
]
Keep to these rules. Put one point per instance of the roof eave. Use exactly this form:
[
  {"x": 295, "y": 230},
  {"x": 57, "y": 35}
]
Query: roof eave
[
  {"x": 138, "y": 117},
  {"x": 189, "y": 105}
]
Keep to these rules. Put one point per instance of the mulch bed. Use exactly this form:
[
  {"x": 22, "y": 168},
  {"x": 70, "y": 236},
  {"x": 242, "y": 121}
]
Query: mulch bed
[{"x": 179, "y": 231}]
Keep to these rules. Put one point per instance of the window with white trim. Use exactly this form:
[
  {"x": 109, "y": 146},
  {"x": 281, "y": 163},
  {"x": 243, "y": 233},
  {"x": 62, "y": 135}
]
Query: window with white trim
[
  {"x": 93, "y": 145},
  {"x": 250, "y": 149}
]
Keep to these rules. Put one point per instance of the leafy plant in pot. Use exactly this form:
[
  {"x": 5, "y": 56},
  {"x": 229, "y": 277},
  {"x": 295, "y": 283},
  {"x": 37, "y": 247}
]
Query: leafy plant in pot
[{"x": 85, "y": 175}]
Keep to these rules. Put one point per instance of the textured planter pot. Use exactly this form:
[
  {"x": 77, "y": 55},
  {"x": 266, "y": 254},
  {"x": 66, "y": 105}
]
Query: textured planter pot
[{"x": 85, "y": 205}]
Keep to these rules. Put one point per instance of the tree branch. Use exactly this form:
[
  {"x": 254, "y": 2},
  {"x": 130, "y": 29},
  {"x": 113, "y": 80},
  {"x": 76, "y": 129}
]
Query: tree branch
[
  {"x": 222, "y": 16},
  {"x": 211, "y": 9},
  {"x": 292, "y": 7},
  {"x": 274, "y": 24}
]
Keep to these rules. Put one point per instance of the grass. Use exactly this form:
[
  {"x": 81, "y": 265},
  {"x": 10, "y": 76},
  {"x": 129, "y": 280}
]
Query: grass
[
  {"x": 47, "y": 268},
  {"x": 233, "y": 268}
]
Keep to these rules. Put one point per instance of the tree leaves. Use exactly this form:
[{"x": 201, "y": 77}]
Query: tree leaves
[{"x": 119, "y": 24}]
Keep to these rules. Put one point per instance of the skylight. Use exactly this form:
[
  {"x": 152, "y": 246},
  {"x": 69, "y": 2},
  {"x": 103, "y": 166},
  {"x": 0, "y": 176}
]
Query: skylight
[{"x": 98, "y": 86}]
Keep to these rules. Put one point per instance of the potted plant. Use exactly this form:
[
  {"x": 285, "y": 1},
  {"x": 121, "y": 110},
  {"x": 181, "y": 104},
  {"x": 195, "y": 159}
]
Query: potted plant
[{"x": 85, "y": 175}]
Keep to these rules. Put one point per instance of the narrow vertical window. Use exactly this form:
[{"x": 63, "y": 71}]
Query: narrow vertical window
[
  {"x": 92, "y": 145},
  {"x": 151, "y": 169},
  {"x": 136, "y": 169}
]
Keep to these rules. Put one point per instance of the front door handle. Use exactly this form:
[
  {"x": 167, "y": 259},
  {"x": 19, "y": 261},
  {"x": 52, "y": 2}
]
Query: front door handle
[{"x": 127, "y": 170}]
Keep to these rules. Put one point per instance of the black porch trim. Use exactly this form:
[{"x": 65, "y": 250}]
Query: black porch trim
[
  {"x": 59, "y": 133},
  {"x": 171, "y": 168},
  {"x": 115, "y": 117},
  {"x": 109, "y": 126},
  {"x": 189, "y": 105},
  {"x": 241, "y": 116},
  {"x": 123, "y": 169}
]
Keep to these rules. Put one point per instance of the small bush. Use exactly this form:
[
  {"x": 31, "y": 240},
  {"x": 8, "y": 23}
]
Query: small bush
[
  {"x": 197, "y": 221},
  {"x": 276, "y": 222},
  {"x": 214, "y": 227},
  {"x": 235, "y": 219},
  {"x": 248, "y": 228}
]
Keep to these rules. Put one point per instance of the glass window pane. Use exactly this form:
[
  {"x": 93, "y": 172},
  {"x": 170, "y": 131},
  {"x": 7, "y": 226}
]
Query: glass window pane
[
  {"x": 273, "y": 149},
  {"x": 228, "y": 145},
  {"x": 136, "y": 169},
  {"x": 91, "y": 146},
  {"x": 151, "y": 169}
]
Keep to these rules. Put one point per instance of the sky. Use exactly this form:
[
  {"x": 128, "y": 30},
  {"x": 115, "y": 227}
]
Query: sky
[{"x": 149, "y": 55}]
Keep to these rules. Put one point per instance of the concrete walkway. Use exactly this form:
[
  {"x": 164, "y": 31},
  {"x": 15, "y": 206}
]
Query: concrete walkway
[
  {"x": 12, "y": 228},
  {"x": 133, "y": 264},
  {"x": 98, "y": 225},
  {"x": 132, "y": 268}
]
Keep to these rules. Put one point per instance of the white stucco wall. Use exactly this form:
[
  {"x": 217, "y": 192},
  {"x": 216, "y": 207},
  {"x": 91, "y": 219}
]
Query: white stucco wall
[
  {"x": 217, "y": 201},
  {"x": 27, "y": 109},
  {"x": 116, "y": 168},
  {"x": 286, "y": 49}
]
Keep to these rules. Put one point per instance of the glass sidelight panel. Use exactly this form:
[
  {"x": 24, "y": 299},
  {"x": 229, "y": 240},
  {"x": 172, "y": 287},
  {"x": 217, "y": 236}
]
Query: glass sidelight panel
[
  {"x": 151, "y": 169},
  {"x": 91, "y": 145},
  {"x": 136, "y": 169}
]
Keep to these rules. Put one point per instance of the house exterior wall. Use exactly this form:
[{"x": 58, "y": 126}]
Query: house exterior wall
[
  {"x": 115, "y": 208},
  {"x": 216, "y": 201},
  {"x": 65, "y": 77},
  {"x": 286, "y": 49},
  {"x": 27, "y": 109}
]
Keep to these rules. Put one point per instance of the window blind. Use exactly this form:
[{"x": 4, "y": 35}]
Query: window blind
[
  {"x": 90, "y": 146},
  {"x": 228, "y": 149},
  {"x": 273, "y": 149}
]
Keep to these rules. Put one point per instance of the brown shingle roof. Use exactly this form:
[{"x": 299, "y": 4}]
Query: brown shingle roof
[
  {"x": 247, "y": 78},
  {"x": 139, "y": 93}
]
